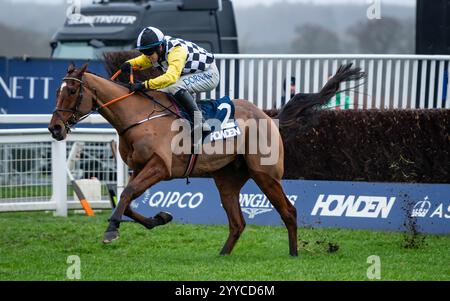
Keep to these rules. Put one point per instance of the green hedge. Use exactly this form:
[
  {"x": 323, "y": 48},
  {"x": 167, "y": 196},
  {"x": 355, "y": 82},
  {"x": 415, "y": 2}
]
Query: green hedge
[{"x": 371, "y": 145}]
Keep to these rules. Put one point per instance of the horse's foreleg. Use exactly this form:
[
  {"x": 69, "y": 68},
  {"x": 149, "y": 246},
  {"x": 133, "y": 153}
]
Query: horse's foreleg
[
  {"x": 146, "y": 222},
  {"x": 229, "y": 181},
  {"x": 153, "y": 172},
  {"x": 161, "y": 218},
  {"x": 150, "y": 222}
]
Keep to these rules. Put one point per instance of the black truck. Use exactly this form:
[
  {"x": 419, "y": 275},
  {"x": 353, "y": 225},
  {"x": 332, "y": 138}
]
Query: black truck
[{"x": 113, "y": 25}]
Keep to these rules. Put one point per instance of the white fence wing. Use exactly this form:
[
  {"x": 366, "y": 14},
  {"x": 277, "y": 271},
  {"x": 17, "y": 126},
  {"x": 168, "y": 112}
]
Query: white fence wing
[{"x": 32, "y": 167}]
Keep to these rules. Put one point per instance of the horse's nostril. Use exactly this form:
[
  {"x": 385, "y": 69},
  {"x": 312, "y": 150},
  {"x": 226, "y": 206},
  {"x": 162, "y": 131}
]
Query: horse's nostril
[{"x": 55, "y": 130}]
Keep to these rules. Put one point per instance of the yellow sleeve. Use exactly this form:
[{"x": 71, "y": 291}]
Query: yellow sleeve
[
  {"x": 176, "y": 60},
  {"x": 141, "y": 62}
]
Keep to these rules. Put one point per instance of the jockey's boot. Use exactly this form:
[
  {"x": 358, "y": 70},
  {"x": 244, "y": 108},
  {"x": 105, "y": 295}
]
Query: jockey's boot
[{"x": 188, "y": 102}]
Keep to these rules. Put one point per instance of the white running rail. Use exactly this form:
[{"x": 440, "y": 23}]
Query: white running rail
[{"x": 393, "y": 81}]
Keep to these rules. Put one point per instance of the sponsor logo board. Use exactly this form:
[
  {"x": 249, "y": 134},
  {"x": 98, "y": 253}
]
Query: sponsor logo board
[{"x": 377, "y": 206}]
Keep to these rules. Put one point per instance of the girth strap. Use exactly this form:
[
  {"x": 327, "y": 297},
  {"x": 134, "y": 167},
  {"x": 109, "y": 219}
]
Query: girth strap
[
  {"x": 141, "y": 122},
  {"x": 191, "y": 164}
]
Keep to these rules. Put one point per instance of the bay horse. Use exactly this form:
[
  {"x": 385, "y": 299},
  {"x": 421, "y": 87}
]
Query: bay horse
[{"x": 146, "y": 146}]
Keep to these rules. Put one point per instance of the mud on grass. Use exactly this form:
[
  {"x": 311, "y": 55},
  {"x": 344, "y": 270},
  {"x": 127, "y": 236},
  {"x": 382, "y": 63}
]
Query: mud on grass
[
  {"x": 412, "y": 236},
  {"x": 35, "y": 246}
]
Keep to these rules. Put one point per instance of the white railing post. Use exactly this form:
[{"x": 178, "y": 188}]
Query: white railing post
[
  {"x": 121, "y": 172},
  {"x": 261, "y": 84},
  {"x": 279, "y": 83},
  {"x": 431, "y": 84},
  {"x": 59, "y": 177},
  {"x": 231, "y": 77}
]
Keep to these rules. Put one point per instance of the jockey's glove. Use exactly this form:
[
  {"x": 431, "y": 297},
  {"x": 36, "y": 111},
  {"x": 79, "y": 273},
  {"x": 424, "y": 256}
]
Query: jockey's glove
[
  {"x": 125, "y": 67},
  {"x": 136, "y": 87}
]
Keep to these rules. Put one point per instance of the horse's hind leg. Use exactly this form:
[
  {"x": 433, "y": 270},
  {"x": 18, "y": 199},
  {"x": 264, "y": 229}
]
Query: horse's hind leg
[
  {"x": 274, "y": 191},
  {"x": 229, "y": 180}
]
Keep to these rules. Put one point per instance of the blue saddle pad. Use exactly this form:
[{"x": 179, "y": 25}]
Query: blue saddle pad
[{"x": 219, "y": 114}]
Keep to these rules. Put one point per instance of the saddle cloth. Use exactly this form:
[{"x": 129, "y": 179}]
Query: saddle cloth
[{"x": 219, "y": 114}]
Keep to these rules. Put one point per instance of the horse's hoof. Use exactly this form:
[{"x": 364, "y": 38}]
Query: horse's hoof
[
  {"x": 160, "y": 219},
  {"x": 164, "y": 217},
  {"x": 110, "y": 236}
]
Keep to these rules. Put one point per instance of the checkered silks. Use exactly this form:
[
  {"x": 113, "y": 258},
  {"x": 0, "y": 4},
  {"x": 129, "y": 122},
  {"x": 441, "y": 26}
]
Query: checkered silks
[{"x": 198, "y": 59}]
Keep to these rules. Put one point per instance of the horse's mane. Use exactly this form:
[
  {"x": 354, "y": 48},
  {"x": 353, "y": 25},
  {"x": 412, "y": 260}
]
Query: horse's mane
[{"x": 113, "y": 61}]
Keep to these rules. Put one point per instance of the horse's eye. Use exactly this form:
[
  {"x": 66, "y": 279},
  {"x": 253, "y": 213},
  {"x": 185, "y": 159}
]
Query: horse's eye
[{"x": 72, "y": 91}]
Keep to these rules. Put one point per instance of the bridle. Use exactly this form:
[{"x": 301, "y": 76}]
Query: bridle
[{"x": 74, "y": 118}]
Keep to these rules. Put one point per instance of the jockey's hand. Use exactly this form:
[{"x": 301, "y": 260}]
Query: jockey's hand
[
  {"x": 125, "y": 67},
  {"x": 136, "y": 87}
]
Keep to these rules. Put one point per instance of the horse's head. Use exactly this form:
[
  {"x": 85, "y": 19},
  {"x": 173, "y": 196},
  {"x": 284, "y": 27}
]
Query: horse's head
[{"x": 71, "y": 104}]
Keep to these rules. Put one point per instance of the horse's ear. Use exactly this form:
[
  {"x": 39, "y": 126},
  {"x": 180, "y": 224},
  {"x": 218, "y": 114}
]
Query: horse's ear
[
  {"x": 82, "y": 69},
  {"x": 71, "y": 67}
]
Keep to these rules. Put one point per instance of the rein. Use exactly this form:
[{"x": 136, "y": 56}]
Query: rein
[{"x": 121, "y": 97}]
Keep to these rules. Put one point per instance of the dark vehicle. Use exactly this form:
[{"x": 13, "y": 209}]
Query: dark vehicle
[
  {"x": 113, "y": 25},
  {"x": 432, "y": 27}
]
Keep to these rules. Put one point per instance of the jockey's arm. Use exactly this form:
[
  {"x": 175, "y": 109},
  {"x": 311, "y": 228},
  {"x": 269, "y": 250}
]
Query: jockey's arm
[
  {"x": 141, "y": 62},
  {"x": 176, "y": 60}
]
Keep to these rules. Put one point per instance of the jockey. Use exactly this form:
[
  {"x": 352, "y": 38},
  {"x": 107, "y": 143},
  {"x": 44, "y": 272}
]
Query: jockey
[{"x": 188, "y": 68}]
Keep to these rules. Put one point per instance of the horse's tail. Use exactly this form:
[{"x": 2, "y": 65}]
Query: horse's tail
[{"x": 302, "y": 107}]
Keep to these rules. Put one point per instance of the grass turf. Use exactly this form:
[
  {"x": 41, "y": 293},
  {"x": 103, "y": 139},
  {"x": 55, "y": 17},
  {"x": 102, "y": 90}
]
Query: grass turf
[{"x": 35, "y": 246}]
